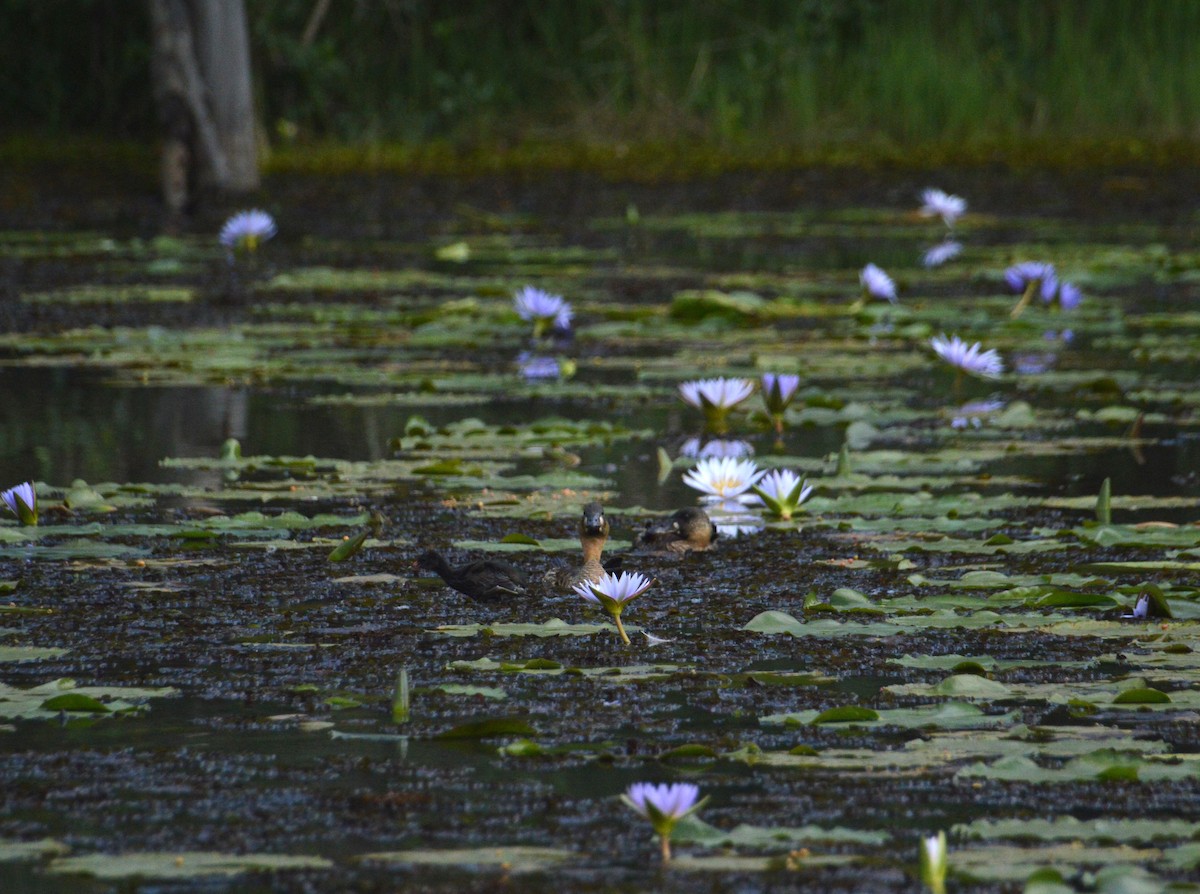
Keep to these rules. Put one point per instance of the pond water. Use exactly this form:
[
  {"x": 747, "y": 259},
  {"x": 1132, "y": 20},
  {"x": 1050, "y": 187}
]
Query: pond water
[{"x": 943, "y": 637}]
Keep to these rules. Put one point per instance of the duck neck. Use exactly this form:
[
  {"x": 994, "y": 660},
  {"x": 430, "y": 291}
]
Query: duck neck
[
  {"x": 440, "y": 566},
  {"x": 593, "y": 546}
]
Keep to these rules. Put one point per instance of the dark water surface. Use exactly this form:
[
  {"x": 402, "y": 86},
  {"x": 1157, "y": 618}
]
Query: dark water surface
[{"x": 278, "y": 736}]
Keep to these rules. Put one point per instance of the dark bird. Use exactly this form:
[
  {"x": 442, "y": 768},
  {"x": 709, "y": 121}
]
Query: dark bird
[
  {"x": 593, "y": 533},
  {"x": 488, "y": 580},
  {"x": 685, "y": 530}
]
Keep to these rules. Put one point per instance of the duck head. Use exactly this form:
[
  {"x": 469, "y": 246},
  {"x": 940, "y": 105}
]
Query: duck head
[{"x": 594, "y": 523}]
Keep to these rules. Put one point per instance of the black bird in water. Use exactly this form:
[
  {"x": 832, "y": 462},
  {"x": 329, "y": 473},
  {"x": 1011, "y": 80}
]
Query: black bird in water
[
  {"x": 487, "y": 580},
  {"x": 685, "y": 530}
]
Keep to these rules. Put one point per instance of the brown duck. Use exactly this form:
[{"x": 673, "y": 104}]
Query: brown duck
[
  {"x": 487, "y": 580},
  {"x": 685, "y": 530},
  {"x": 593, "y": 533}
]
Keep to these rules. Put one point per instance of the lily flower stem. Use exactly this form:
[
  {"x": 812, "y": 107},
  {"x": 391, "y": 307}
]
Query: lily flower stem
[
  {"x": 716, "y": 420},
  {"x": 1026, "y": 297},
  {"x": 621, "y": 629},
  {"x": 665, "y": 841},
  {"x": 958, "y": 385}
]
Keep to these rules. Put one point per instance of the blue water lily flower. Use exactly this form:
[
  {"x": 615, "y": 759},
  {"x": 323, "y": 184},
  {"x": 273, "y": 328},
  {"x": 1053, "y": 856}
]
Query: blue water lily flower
[
  {"x": 546, "y": 311},
  {"x": 877, "y": 284},
  {"x": 941, "y": 253},
  {"x": 937, "y": 203},
  {"x": 664, "y": 806},
  {"x": 968, "y": 358},
  {"x": 245, "y": 230},
  {"x": 533, "y": 368},
  {"x": 1030, "y": 278},
  {"x": 778, "y": 389},
  {"x": 21, "y": 501},
  {"x": 1068, "y": 297}
]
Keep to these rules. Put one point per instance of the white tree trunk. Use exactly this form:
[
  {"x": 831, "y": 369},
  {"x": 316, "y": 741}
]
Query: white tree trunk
[
  {"x": 223, "y": 50},
  {"x": 201, "y": 77}
]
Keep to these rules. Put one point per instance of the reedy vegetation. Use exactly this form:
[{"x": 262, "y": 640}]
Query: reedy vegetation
[{"x": 869, "y": 77}]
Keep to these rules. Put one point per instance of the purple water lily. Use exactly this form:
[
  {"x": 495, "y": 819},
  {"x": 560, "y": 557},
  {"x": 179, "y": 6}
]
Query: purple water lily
[
  {"x": 664, "y": 806},
  {"x": 245, "y": 230},
  {"x": 21, "y": 501}
]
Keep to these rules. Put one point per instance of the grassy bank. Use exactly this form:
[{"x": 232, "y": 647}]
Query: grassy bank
[{"x": 802, "y": 80}]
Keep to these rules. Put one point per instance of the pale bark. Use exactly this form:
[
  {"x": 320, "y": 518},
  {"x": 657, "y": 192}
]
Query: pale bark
[
  {"x": 223, "y": 49},
  {"x": 201, "y": 80}
]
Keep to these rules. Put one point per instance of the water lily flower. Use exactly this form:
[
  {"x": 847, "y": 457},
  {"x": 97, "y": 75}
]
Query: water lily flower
[
  {"x": 546, "y": 311},
  {"x": 1029, "y": 278},
  {"x": 778, "y": 389},
  {"x": 717, "y": 447},
  {"x": 614, "y": 592},
  {"x": 538, "y": 367},
  {"x": 246, "y": 229},
  {"x": 1031, "y": 363},
  {"x": 716, "y": 397},
  {"x": 1068, "y": 296},
  {"x": 973, "y": 412},
  {"x": 968, "y": 358},
  {"x": 664, "y": 806},
  {"x": 941, "y": 204},
  {"x": 934, "y": 864},
  {"x": 782, "y": 491},
  {"x": 22, "y": 502},
  {"x": 877, "y": 284},
  {"x": 1141, "y": 610},
  {"x": 723, "y": 478},
  {"x": 941, "y": 253}
]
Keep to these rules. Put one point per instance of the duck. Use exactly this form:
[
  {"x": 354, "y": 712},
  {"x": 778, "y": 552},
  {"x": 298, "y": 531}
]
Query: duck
[
  {"x": 485, "y": 580},
  {"x": 593, "y": 534},
  {"x": 685, "y": 530}
]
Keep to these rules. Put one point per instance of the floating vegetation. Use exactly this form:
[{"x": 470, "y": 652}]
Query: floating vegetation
[{"x": 969, "y": 607}]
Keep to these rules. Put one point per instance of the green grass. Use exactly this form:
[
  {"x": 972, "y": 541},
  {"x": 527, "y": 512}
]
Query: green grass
[{"x": 716, "y": 80}]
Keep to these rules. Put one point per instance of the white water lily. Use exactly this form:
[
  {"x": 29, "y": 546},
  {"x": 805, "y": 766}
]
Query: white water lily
[
  {"x": 716, "y": 397},
  {"x": 968, "y": 358},
  {"x": 664, "y": 806},
  {"x": 613, "y": 592},
  {"x": 694, "y": 448},
  {"x": 725, "y": 478},
  {"x": 245, "y": 230},
  {"x": 544, "y": 310},
  {"x": 21, "y": 501},
  {"x": 937, "y": 203},
  {"x": 782, "y": 492},
  {"x": 934, "y": 863}
]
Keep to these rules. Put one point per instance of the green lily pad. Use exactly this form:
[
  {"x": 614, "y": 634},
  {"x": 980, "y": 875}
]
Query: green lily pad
[
  {"x": 510, "y": 858},
  {"x": 484, "y": 729},
  {"x": 180, "y": 865}
]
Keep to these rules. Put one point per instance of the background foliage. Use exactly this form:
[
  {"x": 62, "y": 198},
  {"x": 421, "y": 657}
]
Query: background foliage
[{"x": 805, "y": 73}]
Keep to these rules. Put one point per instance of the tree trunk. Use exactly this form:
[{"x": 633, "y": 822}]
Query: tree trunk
[
  {"x": 223, "y": 50},
  {"x": 201, "y": 77}
]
